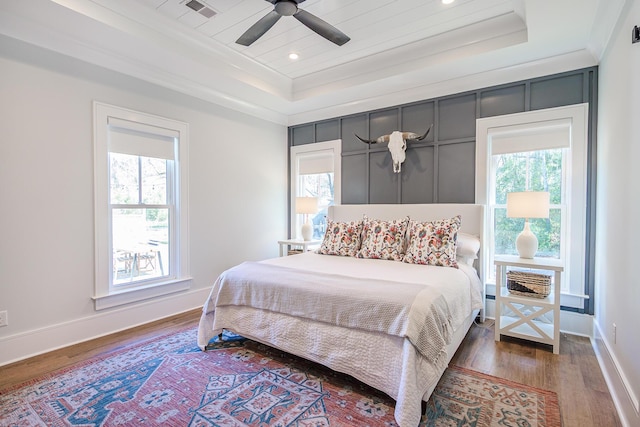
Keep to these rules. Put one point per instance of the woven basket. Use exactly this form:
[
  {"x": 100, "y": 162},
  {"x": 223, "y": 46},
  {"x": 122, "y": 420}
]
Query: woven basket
[{"x": 528, "y": 284}]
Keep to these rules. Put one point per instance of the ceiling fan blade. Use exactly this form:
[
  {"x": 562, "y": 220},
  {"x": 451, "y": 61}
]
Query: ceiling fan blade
[
  {"x": 258, "y": 29},
  {"x": 326, "y": 30}
]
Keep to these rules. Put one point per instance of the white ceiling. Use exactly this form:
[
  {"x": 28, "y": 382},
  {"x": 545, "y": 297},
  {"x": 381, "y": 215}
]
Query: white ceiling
[
  {"x": 400, "y": 50},
  {"x": 375, "y": 26}
]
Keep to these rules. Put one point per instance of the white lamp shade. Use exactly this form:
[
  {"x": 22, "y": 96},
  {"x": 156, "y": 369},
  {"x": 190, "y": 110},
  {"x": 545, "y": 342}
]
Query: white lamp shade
[
  {"x": 528, "y": 204},
  {"x": 306, "y": 205}
]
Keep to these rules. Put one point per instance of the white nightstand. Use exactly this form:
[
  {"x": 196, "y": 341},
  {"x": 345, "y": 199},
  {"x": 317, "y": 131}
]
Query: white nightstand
[
  {"x": 521, "y": 316},
  {"x": 305, "y": 245}
]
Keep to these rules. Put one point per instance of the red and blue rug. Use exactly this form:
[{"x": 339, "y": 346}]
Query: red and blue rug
[{"x": 238, "y": 382}]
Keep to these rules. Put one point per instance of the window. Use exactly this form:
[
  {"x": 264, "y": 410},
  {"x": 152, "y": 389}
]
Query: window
[
  {"x": 140, "y": 217},
  {"x": 315, "y": 172},
  {"x": 141, "y": 206},
  {"x": 539, "y": 170},
  {"x": 542, "y": 150}
]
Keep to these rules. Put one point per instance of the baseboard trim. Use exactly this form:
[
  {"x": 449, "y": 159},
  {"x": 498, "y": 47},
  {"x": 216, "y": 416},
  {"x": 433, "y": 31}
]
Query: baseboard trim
[
  {"x": 31, "y": 343},
  {"x": 626, "y": 402}
]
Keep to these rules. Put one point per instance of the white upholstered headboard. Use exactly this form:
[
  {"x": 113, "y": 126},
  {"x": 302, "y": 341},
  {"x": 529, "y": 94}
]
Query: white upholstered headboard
[{"x": 472, "y": 216}]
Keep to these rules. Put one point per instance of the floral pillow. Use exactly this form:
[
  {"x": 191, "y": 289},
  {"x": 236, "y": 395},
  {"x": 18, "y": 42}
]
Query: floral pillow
[
  {"x": 434, "y": 242},
  {"x": 341, "y": 238},
  {"x": 383, "y": 239}
]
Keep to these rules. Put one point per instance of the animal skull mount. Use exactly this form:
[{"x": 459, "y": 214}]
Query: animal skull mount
[{"x": 397, "y": 144}]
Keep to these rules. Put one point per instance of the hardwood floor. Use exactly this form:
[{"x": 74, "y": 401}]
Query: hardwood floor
[
  {"x": 574, "y": 374},
  {"x": 26, "y": 370}
]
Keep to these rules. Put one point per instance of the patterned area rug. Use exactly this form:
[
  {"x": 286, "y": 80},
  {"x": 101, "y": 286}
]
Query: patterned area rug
[{"x": 238, "y": 382}]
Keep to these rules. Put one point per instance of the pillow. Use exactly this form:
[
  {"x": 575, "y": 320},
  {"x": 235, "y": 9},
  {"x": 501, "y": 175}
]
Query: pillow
[
  {"x": 383, "y": 239},
  {"x": 341, "y": 238},
  {"x": 467, "y": 245},
  {"x": 433, "y": 242},
  {"x": 465, "y": 260}
]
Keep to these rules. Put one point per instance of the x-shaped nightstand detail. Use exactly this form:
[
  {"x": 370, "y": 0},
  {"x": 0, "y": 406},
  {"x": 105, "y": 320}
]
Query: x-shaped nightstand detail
[{"x": 525, "y": 317}]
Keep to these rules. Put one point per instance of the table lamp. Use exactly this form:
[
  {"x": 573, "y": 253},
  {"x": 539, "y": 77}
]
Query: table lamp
[
  {"x": 306, "y": 206},
  {"x": 527, "y": 204}
]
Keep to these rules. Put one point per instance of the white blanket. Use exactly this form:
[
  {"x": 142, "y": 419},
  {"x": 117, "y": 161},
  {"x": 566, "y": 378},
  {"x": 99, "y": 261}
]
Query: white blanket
[
  {"x": 408, "y": 310},
  {"x": 383, "y": 361}
]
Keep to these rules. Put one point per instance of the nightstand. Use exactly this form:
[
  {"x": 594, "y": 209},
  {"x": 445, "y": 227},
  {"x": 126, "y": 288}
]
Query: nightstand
[
  {"x": 305, "y": 245},
  {"x": 527, "y": 317}
]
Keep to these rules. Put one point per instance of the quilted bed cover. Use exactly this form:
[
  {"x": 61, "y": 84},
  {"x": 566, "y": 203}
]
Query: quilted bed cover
[{"x": 328, "y": 308}]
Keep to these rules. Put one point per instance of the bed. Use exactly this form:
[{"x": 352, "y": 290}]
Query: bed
[{"x": 350, "y": 314}]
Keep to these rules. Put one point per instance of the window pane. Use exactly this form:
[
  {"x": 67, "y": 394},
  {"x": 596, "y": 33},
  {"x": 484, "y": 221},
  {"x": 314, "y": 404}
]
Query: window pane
[
  {"x": 124, "y": 178},
  {"x": 529, "y": 171},
  {"x": 154, "y": 181},
  {"x": 321, "y": 186},
  {"x": 140, "y": 244}
]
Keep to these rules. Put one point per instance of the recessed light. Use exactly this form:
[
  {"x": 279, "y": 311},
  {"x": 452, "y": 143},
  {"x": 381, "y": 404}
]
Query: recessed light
[
  {"x": 447, "y": 1},
  {"x": 293, "y": 56}
]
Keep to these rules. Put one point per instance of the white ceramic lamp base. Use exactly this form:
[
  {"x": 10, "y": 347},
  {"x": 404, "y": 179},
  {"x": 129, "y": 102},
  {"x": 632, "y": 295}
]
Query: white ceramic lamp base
[
  {"x": 527, "y": 242},
  {"x": 307, "y": 231}
]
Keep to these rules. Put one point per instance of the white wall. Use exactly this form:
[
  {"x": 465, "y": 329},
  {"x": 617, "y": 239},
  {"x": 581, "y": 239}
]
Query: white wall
[
  {"x": 617, "y": 297},
  {"x": 238, "y": 195}
]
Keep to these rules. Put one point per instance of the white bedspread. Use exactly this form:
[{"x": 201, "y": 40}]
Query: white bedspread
[
  {"x": 409, "y": 310},
  {"x": 407, "y": 376}
]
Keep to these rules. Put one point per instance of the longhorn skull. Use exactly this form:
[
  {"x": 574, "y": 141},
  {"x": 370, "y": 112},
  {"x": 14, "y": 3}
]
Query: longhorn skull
[{"x": 397, "y": 144}]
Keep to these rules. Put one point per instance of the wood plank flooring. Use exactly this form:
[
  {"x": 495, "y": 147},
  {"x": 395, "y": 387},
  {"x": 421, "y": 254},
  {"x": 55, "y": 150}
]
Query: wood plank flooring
[
  {"x": 574, "y": 374},
  {"x": 29, "y": 369}
]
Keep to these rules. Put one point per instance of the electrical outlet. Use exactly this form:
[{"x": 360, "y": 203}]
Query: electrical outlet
[
  {"x": 4, "y": 318},
  {"x": 615, "y": 327}
]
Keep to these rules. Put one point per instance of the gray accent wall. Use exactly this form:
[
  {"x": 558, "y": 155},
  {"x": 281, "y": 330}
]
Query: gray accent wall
[{"x": 441, "y": 168}]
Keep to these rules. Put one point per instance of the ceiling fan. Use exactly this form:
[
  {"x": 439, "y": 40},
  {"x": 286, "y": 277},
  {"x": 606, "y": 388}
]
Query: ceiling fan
[{"x": 290, "y": 8}]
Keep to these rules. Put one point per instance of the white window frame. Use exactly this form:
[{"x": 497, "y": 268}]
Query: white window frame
[
  {"x": 297, "y": 152},
  {"x": 106, "y": 294},
  {"x": 524, "y": 125}
]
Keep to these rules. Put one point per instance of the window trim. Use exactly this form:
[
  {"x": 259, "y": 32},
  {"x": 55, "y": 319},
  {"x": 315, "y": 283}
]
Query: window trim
[
  {"x": 577, "y": 118},
  {"x": 318, "y": 148},
  {"x": 105, "y": 295}
]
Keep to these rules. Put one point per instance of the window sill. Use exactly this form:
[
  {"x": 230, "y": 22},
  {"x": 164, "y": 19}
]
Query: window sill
[{"x": 139, "y": 294}]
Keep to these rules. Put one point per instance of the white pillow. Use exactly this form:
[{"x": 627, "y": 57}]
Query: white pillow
[
  {"x": 465, "y": 260},
  {"x": 467, "y": 246}
]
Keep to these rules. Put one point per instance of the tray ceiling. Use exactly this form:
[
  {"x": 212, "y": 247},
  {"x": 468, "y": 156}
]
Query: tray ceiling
[{"x": 400, "y": 50}]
